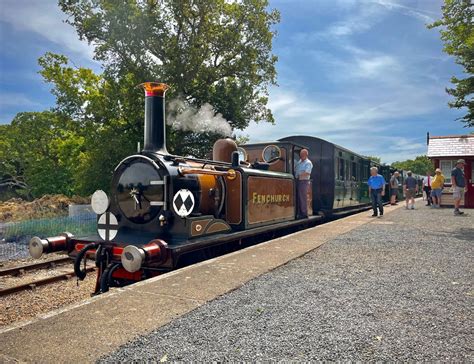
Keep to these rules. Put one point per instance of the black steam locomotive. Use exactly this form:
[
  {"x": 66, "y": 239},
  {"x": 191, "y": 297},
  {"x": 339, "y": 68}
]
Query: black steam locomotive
[{"x": 164, "y": 207}]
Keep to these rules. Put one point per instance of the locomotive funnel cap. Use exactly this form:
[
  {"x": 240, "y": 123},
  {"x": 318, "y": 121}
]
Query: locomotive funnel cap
[
  {"x": 155, "y": 128},
  {"x": 155, "y": 88}
]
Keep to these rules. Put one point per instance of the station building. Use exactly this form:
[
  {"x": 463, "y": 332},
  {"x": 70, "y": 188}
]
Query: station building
[{"x": 444, "y": 151}]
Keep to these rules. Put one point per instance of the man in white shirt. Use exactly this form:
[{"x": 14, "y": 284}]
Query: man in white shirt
[
  {"x": 303, "y": 173},
  {"x": 427, "y": 187}
]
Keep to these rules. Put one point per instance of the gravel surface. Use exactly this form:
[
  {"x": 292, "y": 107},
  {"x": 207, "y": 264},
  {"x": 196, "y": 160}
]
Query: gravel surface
[
  {"x": 397, "y": 289},
  {"x": 27, "y": 305},
  {"x": 12, "y": 250}
]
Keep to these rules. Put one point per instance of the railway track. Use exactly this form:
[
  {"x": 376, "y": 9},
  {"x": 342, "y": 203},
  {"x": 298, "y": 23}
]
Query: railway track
[{"x": 21, "y": 270}]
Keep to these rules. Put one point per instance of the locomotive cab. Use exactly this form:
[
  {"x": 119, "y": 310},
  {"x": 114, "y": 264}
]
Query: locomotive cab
[{"x": 279, "y": 156}]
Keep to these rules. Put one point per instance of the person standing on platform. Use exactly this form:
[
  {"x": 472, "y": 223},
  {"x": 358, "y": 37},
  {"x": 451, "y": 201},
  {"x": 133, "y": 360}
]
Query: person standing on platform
[
  {"x": 437, "y": 188},
  {"x": 410, "y": 189},
  {"x": 427, "y": 188},
  {"x": 376, "y": 184},
  {"x": 458, "y": 184},
  {"x": 394, "y": 184},
  {"x": 303, "y": 173}
]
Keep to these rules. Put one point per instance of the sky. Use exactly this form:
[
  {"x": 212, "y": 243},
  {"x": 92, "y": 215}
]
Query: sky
[{"x": 364, "y": 74}]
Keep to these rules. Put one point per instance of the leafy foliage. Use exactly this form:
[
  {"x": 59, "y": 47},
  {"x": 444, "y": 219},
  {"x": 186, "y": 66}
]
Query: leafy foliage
[
  {"x": 458, "y": 35},
  {"x": 12, "y": 183},
  {"x": 420, "y": 165},
  {"x": 107, "y": 116},
  {"x": 39, "y": 153},
  {"x": 209, "y": 51}
]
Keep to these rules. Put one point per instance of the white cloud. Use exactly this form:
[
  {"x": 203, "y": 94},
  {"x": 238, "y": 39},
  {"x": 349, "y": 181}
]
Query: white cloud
[
  {"x": 423, "y": 15},
  {"x": 360, "y": 16},
  {"x": 359, "y": 20},
  {"x": 12, "y": 102},
  {"x": 374, "y": 66},
  {"x": 9, "y": 99},
  {"x": 372, "y": 97},
  {"x": 369, "y": 124},
  {"x": 46, "y": 19}
]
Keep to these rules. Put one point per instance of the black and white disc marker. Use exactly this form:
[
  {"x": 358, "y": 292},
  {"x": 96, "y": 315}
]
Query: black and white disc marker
[
  {"x": 107, "y": 226},
  {"x": 183, "y": 202}
]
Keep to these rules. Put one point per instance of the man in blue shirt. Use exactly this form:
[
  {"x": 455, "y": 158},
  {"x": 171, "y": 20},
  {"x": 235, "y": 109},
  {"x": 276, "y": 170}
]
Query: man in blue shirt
[
  {"x": 303, "y": 170},
  {"x": 376, "y": 190}
]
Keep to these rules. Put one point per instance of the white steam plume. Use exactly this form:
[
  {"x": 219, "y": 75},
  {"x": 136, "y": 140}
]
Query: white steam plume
[{"x": 183, "y": 116}]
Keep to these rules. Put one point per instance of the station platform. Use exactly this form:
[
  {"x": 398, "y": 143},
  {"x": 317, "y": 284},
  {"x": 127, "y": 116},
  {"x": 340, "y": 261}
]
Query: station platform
[{"x": 398, "y": 287}]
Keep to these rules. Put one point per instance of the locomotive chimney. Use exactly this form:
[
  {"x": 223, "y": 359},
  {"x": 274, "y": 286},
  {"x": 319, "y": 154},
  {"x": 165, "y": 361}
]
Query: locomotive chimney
[{"x": 155, "y": 127}]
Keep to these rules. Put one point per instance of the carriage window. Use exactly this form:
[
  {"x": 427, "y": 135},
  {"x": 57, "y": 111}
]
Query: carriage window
[
  {"x": 341, "y": 168},
  {"x": 364, "y": 172},
  {"x": 354, "y": 171}
]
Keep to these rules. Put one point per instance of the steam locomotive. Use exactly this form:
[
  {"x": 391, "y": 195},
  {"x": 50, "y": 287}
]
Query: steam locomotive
[{"x": 163, "y": 207}]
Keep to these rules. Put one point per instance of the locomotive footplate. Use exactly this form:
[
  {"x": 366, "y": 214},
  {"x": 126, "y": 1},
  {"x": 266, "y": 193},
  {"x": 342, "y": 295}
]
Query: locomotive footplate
[
  {"x": 179, "y": 248},
  {"x": 125, "y": 262}
]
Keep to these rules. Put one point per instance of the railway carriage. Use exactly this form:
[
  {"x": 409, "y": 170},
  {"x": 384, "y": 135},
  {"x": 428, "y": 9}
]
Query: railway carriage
[{"x": 339, "y": 177}]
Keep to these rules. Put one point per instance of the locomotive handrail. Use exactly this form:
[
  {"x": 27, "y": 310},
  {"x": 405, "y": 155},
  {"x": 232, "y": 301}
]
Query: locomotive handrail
[
  {"x": 137, "y": 156},
  {"x": 230, "y": 174}
]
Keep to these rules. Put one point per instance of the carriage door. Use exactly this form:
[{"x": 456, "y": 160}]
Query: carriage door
[
  {"x": 309, "y": 197},
  {"x": 469, "y": 174}
]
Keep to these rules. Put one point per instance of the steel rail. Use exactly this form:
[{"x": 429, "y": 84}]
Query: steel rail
[
  {"x": 18, "y": 270},
  {"x": 40, "y": 282}
]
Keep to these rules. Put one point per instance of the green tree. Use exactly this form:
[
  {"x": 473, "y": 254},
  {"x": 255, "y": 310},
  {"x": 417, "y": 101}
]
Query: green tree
[
  {"x": 107, "y": 114},
  {"x": 209, "y": 51},
  {"x": 420, "y": 165},
  {"x": 458, "y": 35},
  {"x": 39, "y": 153},
  {"x": 12, "y": 183}
]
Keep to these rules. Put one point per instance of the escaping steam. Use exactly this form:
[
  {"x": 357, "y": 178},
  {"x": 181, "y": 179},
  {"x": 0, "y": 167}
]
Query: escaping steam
[{"x": 183, "y": 116}]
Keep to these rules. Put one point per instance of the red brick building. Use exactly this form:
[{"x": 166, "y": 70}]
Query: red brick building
[{"x": 444, "y": 151}]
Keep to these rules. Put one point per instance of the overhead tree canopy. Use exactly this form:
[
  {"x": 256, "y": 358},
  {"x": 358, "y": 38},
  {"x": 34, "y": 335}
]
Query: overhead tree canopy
[
  {"x": 108, "y": 115},
  {"x": 209, "y": 51},
  {"x": 457, "y": 32}
]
